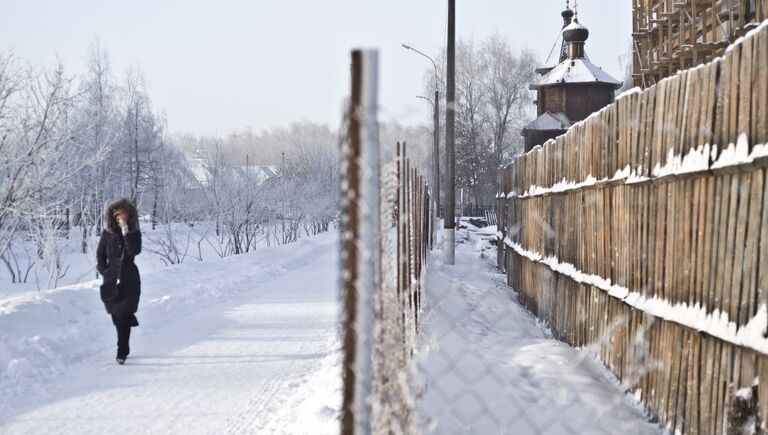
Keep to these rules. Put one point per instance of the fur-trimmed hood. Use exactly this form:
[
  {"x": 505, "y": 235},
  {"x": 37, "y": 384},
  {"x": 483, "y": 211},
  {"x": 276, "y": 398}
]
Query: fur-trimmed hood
[{"x": 127, "y": 205}]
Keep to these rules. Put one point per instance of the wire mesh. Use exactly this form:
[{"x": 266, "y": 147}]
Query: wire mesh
[{"x": 622, "y": 289}]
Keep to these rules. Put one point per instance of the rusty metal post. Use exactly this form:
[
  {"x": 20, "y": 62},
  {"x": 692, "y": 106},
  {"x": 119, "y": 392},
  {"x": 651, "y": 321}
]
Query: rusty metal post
[{"x": 360, "y": 247}]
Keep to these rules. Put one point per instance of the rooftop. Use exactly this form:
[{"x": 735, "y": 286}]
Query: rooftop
[
  {"x": 549, "y": 122},
  {"x": 576, "y": 71}
]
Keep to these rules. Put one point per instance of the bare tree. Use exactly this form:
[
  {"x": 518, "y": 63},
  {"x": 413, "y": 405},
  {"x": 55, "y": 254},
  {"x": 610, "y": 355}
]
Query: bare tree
[
  {"x": 507, "y": 78},
  {"x": 141, "y": 135},
  {"x": 40, "y": 156},
  {"x": 11, "y": 166},
  {"x": 97, "y": 132},
  {"x": 493, "y": 104}
]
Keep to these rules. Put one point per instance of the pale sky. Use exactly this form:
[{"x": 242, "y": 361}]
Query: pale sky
[{"x": 216, "y": 66}]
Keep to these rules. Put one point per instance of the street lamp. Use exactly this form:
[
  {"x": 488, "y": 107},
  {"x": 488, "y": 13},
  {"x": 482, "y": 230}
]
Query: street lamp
[
  {"x": 408, "y": 47},
  {"x": 429, "y": 100},
  {"x": 436, "y": 138}
]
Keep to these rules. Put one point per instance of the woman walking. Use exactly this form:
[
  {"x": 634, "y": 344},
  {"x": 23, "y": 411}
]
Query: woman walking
[{"x": 120, "y": 242}]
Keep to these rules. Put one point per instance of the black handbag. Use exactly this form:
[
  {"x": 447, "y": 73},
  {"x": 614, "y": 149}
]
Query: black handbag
[{"x": 110, "y": 291}]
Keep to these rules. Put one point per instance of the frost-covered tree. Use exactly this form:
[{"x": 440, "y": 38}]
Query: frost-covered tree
[
  {"x": 249, "y": 206},
  {"x": 68, "y": 145},
  {"x": 508, "y": 108},
  {"x": 96, "y": 131},
  {"x": 140, "y": 137},
  {"x": 39, "y": 152},
  {"x": 42, "y": 155},
  {"x": 493, "y": 103}
]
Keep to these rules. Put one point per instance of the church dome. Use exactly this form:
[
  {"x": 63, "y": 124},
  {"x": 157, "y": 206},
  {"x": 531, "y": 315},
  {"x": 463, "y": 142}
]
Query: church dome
[
  {"x": 575, "y": 32},
  {"x": 567, "y": 14}
]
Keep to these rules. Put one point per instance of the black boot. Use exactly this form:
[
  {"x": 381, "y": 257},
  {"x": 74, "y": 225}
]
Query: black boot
[{"x": 123, "y": 337}]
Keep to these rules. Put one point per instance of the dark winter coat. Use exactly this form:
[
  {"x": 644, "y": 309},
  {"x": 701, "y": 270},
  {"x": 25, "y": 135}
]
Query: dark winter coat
[{"x": 108, "y": 254}]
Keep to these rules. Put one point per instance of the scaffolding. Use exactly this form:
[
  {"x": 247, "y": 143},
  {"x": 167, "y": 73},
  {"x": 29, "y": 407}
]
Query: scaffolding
[{"x": 673, "y": 35}]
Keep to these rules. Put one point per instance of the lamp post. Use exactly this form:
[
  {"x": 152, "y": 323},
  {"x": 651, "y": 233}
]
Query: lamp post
[
  {"x": 429, "y": 100},
  {"x": 436, "y": 132}
]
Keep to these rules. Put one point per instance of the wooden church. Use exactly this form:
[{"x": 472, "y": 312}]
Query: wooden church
[{"x": 571, "y": 90}]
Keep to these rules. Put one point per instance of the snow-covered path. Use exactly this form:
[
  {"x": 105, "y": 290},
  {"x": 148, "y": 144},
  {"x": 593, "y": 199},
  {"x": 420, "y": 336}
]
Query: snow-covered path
[
  {"x": 257, "y": 352},
  {"x": 487, "y": 367}
]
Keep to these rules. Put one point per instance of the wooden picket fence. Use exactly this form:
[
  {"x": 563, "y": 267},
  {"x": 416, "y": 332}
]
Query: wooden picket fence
[{"x": 642, "y": 234}]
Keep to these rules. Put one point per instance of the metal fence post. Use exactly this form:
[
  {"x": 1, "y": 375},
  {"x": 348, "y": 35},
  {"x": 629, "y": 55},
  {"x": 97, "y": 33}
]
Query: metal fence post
[{"x": 360, "y": 275}]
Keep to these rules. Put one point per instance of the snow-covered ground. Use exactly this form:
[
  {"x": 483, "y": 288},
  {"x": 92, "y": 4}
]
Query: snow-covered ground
[
  {"x": 488, "y": 367},
  {"x": 195, "y": 244},
  {"x": 249, "y": 344},
  {"x": 244, "y": 344}
]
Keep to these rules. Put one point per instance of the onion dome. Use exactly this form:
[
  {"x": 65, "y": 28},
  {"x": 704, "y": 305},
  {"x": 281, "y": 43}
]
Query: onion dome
[
  {"x": 567, "y": 15},
  {"x": 575, "y": 32}
]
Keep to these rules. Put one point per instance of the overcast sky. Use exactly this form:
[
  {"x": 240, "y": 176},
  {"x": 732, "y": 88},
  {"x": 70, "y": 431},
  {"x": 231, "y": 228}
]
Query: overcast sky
[{"x": 216, "y": 66}]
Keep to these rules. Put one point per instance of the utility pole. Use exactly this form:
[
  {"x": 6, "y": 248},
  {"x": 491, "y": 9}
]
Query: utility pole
[
  {"x": 436, "y": 151},
  {"x": 449, "y": 241}
]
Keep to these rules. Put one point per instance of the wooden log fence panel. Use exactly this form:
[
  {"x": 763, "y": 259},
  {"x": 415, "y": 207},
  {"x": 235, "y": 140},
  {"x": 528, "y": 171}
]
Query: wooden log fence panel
[{"x": 642, "y": 234}]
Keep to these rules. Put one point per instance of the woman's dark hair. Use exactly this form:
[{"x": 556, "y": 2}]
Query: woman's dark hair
[{"x": 126, "y": 205}]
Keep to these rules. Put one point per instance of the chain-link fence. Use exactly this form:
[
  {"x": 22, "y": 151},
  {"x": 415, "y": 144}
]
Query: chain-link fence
[
  {"x": 621, "y": 291},
  {"x": 386, "y": 231}
]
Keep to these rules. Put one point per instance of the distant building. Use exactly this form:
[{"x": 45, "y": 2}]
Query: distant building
[
  {"x": 571, "y": 90},
  {"x": 260, "y": 173},
  {"x": 197, "y": 173},
  {"x": 669, "y": 36},
  {"x": 200, "y": 172}
]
